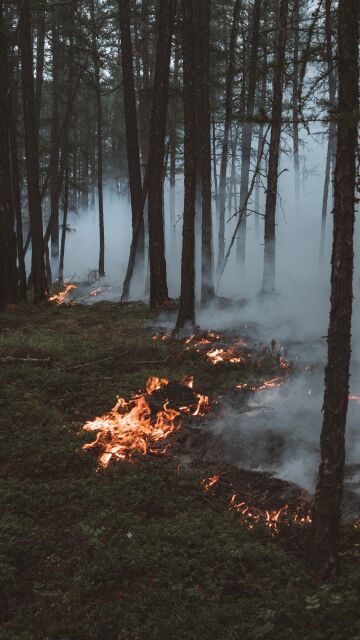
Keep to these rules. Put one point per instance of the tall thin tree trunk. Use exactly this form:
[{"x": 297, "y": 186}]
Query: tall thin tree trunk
[
  {"x": 261, "y": 134},
  {"x": 186, "y": 316},
  {"x": 40, "y": 59},
  {"x": 173, "y": 141},
  {"x": 54, "y": 173},
  {"x": 247, "y": 129},
  {"x": 295, "y": 100},
  {"x": 328, "y": 498},
  {"x": 16, "y": 188},
  {"x": 8, "y": 268},
  {"x": 64, "y": 223},
  {"x": 332, "y": 126},
  {"x": 32, "y": 156},
  {"x": 214, "y": 160},
  {"x": 131, "y": 127},
  {"x": 230, "y": 75},
  {"x": 158, "y": 282},
  {"x": 96, "y": 62},
  {"x": 268, "y": 283},
  {"x": 207, "y": 260}
]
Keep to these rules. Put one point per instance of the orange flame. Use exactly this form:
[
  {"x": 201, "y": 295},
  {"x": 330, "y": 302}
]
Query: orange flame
[
  {"x": 131, "y": 429},
  {"x": 63, "y": 296}
]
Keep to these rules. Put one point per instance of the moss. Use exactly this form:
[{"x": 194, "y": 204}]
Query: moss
[{"x": 135, "y": 551}]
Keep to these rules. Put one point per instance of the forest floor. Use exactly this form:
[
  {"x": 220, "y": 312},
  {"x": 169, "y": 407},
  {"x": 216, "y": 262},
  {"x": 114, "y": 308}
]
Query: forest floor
[{"x": 135, "y": 551}]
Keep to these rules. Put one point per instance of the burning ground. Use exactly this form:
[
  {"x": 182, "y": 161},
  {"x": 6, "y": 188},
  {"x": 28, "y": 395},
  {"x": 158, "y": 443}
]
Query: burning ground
[{"x": 142, "y": 549}]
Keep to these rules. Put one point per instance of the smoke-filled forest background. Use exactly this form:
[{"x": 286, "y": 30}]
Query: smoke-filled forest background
[{"x": 97, "y": 88}]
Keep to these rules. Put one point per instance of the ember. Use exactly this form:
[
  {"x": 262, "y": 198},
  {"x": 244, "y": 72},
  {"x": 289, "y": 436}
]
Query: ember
[
  {"x": 138, "y": 427},
  {"x": 223, "y": 355},
  {"x": 63, "y": 296}
]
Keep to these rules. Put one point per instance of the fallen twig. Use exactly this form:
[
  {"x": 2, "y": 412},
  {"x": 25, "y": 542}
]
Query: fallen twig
[
  {"x": 28, "y": 360},
  {"x": 88, "y": 364}
]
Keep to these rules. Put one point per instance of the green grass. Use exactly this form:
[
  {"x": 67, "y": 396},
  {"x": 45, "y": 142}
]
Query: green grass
[{"x": 134, "y": 552}]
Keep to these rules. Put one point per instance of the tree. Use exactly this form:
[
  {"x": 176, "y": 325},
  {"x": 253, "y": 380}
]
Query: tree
[
  {"x": 268, "y": 283},
  {"x": 207, "y": 262},
  {"x": 330, "y": 155},
  {"x": 327, "y": 505},
  {"x": 230, "y": 76},
  {"x": 8, "y": 267},
  {"x": 99, "y": 135},
  {"x": 158, "y": 281},
  {"x": 131, "y": 127},
  {"x": 32, "y": 156},
  {"x": 247, "y": 128},
  {"x": 186, "y": 316}
]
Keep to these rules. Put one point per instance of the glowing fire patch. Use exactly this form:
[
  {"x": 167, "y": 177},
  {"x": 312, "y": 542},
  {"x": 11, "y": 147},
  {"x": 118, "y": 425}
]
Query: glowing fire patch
[
  {"x": 223, "y": 355},
  {"x": 133, "y": 428},
  {"x": 251, "y": 515},
  {"x": 63, "y": 297}
]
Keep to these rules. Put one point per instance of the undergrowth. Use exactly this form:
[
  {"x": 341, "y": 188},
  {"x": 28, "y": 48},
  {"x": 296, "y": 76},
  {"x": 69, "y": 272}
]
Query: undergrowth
[{"x": 134, "y": 552}]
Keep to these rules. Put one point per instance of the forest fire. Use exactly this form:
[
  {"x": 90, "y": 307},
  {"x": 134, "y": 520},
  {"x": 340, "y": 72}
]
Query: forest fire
[
  {"x": 273, "y": 383},
  {"x": 141, "y": 425},
  {"x": 223, "y": 355},
  {"x": 63, "y": 297},
  {"x": 251, "y": 515}
]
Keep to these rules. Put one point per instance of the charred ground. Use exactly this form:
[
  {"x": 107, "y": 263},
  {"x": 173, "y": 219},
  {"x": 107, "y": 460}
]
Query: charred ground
[{"x": 137, "y": 550}]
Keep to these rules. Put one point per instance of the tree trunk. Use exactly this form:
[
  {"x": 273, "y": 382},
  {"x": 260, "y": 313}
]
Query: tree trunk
[
  {"x": 186, "y": 316},
  {"x": 54, "y": 172},
  {"x": 268, "y": 283},
  {"x": 295, "y": 99},
  {"x": 173, "y": 141},
  {"x": 40, "y": 60},
  {"x": 32, "y": 156},
  {"x": 327, "y": 506},
  {"x": 332, "y": 126},
  {"x": 247, "y": 129},
  {"x": 158, "y": 283},
  {"x": 207, "y": 260},
  {"x": 96, "y": 62},
  {"x": 131, "y": 127},
  {"x": 230, "y": 75},
  {"x": 16, "y": 187},
  {"x": 8, "y": 268},
  {"x": 64, "y": 223}
]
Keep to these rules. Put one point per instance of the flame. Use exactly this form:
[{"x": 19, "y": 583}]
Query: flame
[
  {"x": 131, "y": 428},
  {"x": 207, "y": 483},
  {"x": 251, "y": 515},
  {"x": 63, "y": 296},
  {"x": 223, "y": 355},
  {"x": 266, "y": 384}
]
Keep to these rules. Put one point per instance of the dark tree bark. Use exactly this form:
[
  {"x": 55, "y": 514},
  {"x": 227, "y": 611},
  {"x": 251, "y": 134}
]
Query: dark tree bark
[
  {"x": 158, "y": 282},
  {"x": 186, "y": 316},
  {"x": 99, "y": 126},
  {"x": 8, "y": 268},
  {"x": 230, "y": 75},
  {"x": 330, "y": 155},
  {"x": 54, "y": 173},
  {"x": 131, "y": 126},
  {"x": 65, "y": 218},
  {"x": 173, "y": 144},
  {"x": 260, "y": 137},
  {"x": 327, "y": 506},
  {"x": 295, "y": 100},
  {"x": 16, "y": 186},
  {"x": 247, "y": 128},
  {"x": 32, "y": 156},
  {"x": 207, "y": 260},
  {"x": 268, "y": 283},
  {"x": 40, "y": 59}
]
